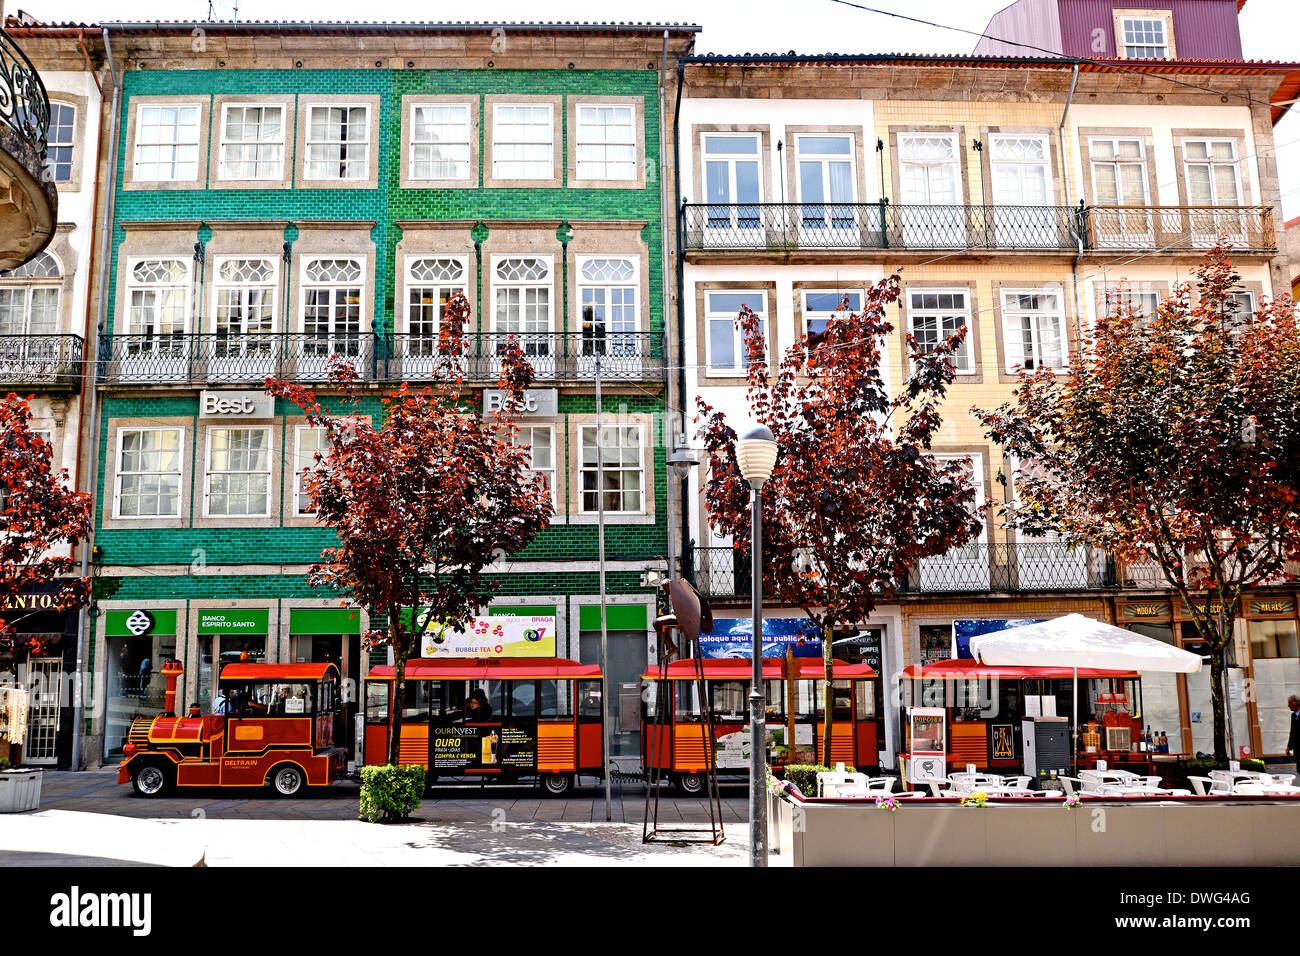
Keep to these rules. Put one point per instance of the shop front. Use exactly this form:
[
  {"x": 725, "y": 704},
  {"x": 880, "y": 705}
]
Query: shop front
[
  {"x": 40, "y": 656},
  {"x": 331, "y": 635},
  {"x": 137, "y": 641},
  {"x": 627, "y": 630},
  {"x": 227, "y": 636}
]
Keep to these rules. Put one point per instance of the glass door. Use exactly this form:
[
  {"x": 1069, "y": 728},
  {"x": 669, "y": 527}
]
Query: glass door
[
  {"x": 1119, "y": 177},
  {"x": 826, "y": 191},
  {"x": 1022, "y": 214},
  {"x": 732, "y": 190}
]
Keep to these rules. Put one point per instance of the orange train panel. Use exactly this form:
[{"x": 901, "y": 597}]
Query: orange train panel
[
  {"x": 176, "y": 730},
  {"x": 868, "y": 745},
  {"x": 557, "y": 747},
  {"x": 255, "y": 734},
  {"x": 841, "y": 744},
  {"x": 690, "y": 752},
  {"x": 657, "y": 754},
  {"x": 198, "y": 774},
  {"x": 413, "y": 748},
  {"x": 591, "y": 747}
]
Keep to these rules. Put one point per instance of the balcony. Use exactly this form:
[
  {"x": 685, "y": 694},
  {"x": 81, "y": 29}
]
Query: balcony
[
  {"x": 28, "y": 201},
  {"x": 213, "y": 359},
  {"x": 828, "y": 228},
  {"x": 46, "y": 362}
]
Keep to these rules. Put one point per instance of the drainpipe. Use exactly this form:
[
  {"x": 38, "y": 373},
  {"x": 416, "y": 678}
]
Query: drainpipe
[
  {"x": 684, "y": 489},
  {"x": 1065, "y": 187},
  {"x": 665, "y": 218},
  {"x": 91, "y": 449}
]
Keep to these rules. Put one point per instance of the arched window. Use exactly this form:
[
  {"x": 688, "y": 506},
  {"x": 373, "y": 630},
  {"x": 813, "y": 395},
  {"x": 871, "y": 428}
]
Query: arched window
[{"x": 29, "y": 297}]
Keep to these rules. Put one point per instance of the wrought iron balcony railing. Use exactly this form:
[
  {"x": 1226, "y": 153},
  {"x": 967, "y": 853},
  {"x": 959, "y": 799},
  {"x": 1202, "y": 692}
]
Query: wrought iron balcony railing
[
  {"x": 817, "y": 226},
  {"x": 24, "y": 105},
  {"x": 1179, "y": 228},
  {"x": 42, "y": 360},
  {"x": 995, "y": 568},
  {"x": 250, "y": 359}
]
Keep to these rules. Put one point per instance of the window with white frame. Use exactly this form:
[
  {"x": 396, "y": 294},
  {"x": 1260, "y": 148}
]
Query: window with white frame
[
  {"x": 440, "y": 141},
  {"x": 245, "y": 290},
  {"x": 725, "y": 344},
  {"x": 1213, "y": 174},
  {"x": 148, "y": 482},
  {"x": 607, "y": 287},
  {"x": 822, "y": 307},
  {"x": 825, "y": 164},
  {"x": 930, "y": 168},
  {"x": 1119, "y": 171},
  {"x": 613, "y": 452},
  {"x": 338, "y": 142},
  {"x": 59, "y": 141},
  {"x": 1121, "y": 298},
  {"x": 936, "y": 314},
  {"x": 309, "y": 442},
  {"x": 1021, "y": 170},
  {"x": 523, "y": 141},
  {"x": 1241, "y": 308},
  {"x": 1033, "y": 326},
  {"x": 167, "y": 143},
  {"x": 1143, "y": 38},
  {"x": 239, "y": 472},
  {"x": 29, "y": 298},
  {"x": 522, "y": 302},
  {"x": 252, "y": 142},
  {"x": 732, "y": 184},
  {"x": 158, "y": 300},
  {"x": 540, "y": 440},
  {"x": 606, "y": 142},
  {"x": 431, "y": 281},
  {"x": 331, "y": 316}
]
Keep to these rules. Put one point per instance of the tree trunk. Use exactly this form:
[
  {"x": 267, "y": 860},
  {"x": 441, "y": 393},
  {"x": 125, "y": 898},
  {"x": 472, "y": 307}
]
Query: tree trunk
[
  {"x": 828, "y": 688},
  {"x": 1218, "y": 687},
  {"x": 401, "y": 650}
]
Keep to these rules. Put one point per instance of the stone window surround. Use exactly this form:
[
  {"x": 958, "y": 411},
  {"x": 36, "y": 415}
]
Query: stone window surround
[
  {"x": 127, "y": 263},
  {"x": 982, "y": 457},
  {"x": 409, "y": 102},
  {"x": 1238, "y": 136},
  {"x": 832, "y": 285},
  {"x": 80, "y": 104},
  {"x": 573, "y": 428},
  {"x": 426, "y": 239},
  {"x": 305, "y": 103},
  {"x": 613, "y": 239},
  {"x": 1087, "y": 133},
  {"x": 289, "y": 425},
  {"x": 973, "y": 340},
  {"x": 203, "y": 447},
  {"x": 288, "y": 156},
  {"x": 1254, "y": 286},
  {"x": 1054, "y": 165},
  {"x": 638, "y": 122},
  {"x": 556, "y": 102},
  {"x": 152, "y": 240},
  {"x": 327, "y": 239},
  {"x": 764, "y": 133},
  {"x": 204, "y": 104},
  {"x": 1100, "y": 287},
  {"x": 188, "y": 621},
  {"x": 639, "y": 281},
  {"x": 284, "y": 640},
  {"x": 702, "y": 329},
  {"x": 792, "y": 134},
  {"x": 245, "y": 239},
  {"x": 1071, "y": 321},
  {"x": 1120, "y": 14},
  {"x": 896, "y": 159},
  {"x": 564, "y": 505},
  {"x": 115, "y": 426},
  {"x": 60, "y": 248}
]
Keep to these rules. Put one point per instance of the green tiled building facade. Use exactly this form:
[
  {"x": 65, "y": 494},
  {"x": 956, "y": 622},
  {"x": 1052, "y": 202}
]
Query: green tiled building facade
[{"x": 281, "y": 200}]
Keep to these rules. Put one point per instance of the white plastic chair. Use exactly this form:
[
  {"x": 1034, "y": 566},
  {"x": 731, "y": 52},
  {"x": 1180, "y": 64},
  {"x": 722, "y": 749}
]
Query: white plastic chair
[
  {"x": 881, "y": 784},
  {"x": 830, "y": 781},
  {"x": 1152, "y": 782},
  {"x": 1016, "y": 783}
]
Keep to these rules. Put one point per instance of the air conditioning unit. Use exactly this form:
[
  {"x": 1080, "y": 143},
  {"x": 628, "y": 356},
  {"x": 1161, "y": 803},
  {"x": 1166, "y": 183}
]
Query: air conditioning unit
[{"x": 1119, "y": 738}]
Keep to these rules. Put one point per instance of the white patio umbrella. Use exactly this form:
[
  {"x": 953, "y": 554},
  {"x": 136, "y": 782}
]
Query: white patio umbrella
[{"x": 1076, "y": 641}]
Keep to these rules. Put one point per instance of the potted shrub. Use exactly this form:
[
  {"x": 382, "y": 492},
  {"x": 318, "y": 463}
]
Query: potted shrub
[{"x": 389, "y": 794}]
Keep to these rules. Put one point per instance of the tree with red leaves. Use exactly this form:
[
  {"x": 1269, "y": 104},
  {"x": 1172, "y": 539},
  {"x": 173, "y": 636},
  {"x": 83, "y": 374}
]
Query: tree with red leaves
[
  {"x": 855, "y": 498},
  {"x": 424, "y": 503},
  {"x": 1174, "y": 441},
  {"x": 39, "y": 516}
]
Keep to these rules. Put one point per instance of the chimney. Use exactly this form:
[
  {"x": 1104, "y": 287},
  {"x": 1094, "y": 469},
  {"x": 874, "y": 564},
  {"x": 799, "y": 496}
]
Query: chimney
[{"x": 171, "y": 670}]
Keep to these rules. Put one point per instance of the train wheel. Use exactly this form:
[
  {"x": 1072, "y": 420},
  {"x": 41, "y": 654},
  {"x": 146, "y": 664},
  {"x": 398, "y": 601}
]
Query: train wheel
[
  {"x": 557, "y": 784},
  {"x": 151, "y": 780},
  {"x": 691, "y": 784},
  {"x": 288, "y": 780}
]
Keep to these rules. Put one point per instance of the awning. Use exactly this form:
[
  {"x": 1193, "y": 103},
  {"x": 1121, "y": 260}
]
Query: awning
[
  {"x": 1077, "y": 641},
  {"x": 281, "y": 672},
  {"x": 731, "y": 668},
  {"x": 490, "y": 668},
  {"x": 966, "y": 669}
]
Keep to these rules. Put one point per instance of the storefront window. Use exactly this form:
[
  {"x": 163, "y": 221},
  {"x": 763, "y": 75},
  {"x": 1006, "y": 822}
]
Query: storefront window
[
  {"x": 242, "y": 649},
  {"x": 134, "y": 686},
  {"x": 205, "y": 672},
  {"x": 1276, "y": 663}
]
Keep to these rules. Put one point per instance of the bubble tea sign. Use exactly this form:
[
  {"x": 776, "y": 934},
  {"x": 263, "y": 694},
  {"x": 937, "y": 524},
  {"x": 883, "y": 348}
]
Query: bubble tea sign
[{"x": 492, "y": 637}]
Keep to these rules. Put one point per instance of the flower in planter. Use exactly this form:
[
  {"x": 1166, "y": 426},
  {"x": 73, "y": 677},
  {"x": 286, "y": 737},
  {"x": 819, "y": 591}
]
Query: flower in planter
[
  {"x": 774, "y": 785},
  {"x": 886, "y": 803},
  {"x": 977, "y": 799},
  {"x": 1072, "y": 801}
]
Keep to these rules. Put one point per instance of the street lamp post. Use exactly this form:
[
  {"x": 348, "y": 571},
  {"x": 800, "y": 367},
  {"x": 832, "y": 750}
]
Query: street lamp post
[{"x": 756, "y": 454}]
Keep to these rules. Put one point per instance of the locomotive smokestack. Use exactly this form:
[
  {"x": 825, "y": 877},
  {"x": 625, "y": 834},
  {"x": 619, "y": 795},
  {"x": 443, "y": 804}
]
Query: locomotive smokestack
[{"x": 171, "y": 670}]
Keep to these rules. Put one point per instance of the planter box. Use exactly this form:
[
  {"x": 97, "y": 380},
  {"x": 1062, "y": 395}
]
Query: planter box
[{"x": 20, "y": 790}]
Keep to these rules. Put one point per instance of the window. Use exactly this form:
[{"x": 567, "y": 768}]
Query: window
[
  {"x": 148, "y": 473},
  {"x": 522, "y": 302},
  {"x": 158, "y": 297},
  {"x": 541, "y": 440},
  {"x": 1143, "y": 38},
  {"x": 1241, "y": 309},
  {"x": 338, "y": 142},
  {"x": 725, "y": 344},
  {"x": 933, "y": 316},
  {"x": 167, "y": 143},
  {"x": 929, "y": 169},
  {"x": 825, "y": 165},
  {"x": 245, "y": 303},
  {"x": 331, "y": 318},
  {"x": 624, "y": 485},
  {"x": 252, "y": 142},
  {"x": 29, "y": 298},
  {"x": 1144, "y": 304},
  {"x": 523, "y": 141},
  {"x": 731, "y": 180},
  {"x": 1033, "y": 325},
  {"x": 820, "y": 308},
  {"x": 1020, "y": 170},
  {"x": 606, "y": 142},
  {"x": 58, "y": 139},
  {"x": 1119, "y": 171},
  {"x": 430, "y": 284},
  {"x": 608, "y": 291},
  {"x": 309, "y": 442},
  {"x": 1213, "y": 178},
  {"x": 440, "y": 141},
  {"x": 239, "y": 472}
]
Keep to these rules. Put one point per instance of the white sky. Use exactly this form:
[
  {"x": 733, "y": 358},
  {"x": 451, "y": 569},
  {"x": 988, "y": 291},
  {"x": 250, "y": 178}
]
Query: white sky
[{"x": 1270, "y": 29}]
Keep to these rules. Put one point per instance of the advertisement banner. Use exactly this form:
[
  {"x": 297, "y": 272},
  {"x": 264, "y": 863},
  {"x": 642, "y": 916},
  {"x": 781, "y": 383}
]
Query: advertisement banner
[
  {"x": 482, "y": 748},
  {"x": 963, "y": 631},
  {"x": 732, "y": 750},
  {"x": 733, "y": 637},
  {"x": 532, "y": 636}
]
